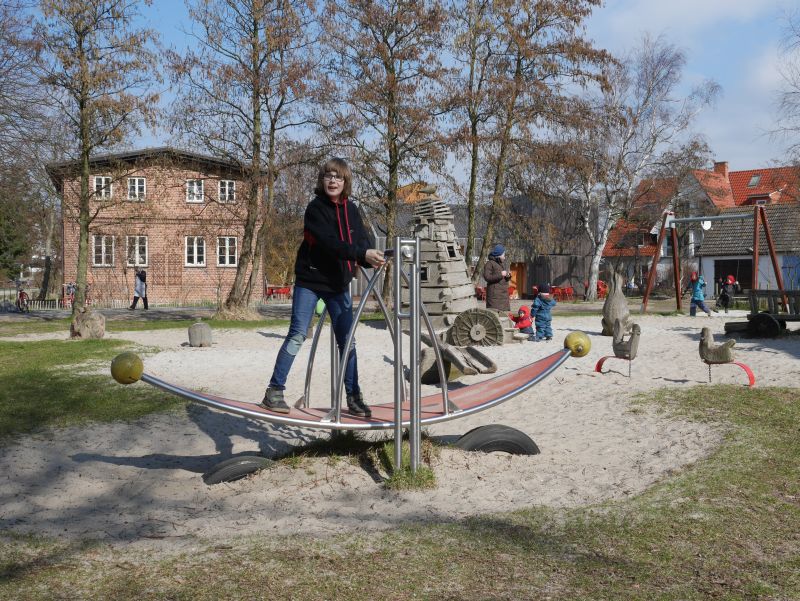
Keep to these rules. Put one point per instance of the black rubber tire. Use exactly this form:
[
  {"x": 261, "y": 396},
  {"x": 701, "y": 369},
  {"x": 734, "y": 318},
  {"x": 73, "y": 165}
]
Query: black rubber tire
[
  {"x": 236, "y": 468},
  {"x": 496, "y": 437},
  {"x": 764, "y": 325}
]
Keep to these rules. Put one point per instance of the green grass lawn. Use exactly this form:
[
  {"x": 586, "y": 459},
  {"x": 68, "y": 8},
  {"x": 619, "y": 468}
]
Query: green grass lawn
[
  {"x": 39, "y": 386},
  {"x": 125, "y": 325},
  {"x": 725, "y": 528}
]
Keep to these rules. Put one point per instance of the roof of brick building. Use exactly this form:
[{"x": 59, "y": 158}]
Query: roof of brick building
[
  {"x": 735, "y": 237},
  {"x": 778, "y": 183}
]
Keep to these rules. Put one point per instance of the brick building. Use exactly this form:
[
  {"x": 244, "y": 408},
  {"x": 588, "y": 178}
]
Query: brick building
[{"x": 177, "y": 214}]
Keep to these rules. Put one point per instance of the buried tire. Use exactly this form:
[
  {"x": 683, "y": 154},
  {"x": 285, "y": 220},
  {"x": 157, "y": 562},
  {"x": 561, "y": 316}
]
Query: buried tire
[
  {"x": 236, "y": 468},
  {"x": 496, "y": 437}
]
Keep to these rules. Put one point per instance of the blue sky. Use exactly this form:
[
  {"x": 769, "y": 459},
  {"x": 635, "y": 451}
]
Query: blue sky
[{"x": 734, "y": 42}]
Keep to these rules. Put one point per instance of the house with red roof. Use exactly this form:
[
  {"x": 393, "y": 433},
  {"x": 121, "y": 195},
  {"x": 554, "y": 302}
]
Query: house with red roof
[{"x": 725, "y": 249}]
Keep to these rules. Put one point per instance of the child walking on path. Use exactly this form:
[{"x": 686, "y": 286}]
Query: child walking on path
[
  {"x": 522, "y": 320},
  {"x": 540, "y": 310},
  {"x": 334, "y": 244},
  {"x": 698, "y": 285}
]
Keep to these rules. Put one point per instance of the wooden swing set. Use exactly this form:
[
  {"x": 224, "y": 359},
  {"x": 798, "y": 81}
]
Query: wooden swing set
[{"x": 758, "y": 216}]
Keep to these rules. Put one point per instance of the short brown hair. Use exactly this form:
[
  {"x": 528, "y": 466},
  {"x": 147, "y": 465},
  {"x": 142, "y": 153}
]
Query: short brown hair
[{"x": 341, "y": 167}]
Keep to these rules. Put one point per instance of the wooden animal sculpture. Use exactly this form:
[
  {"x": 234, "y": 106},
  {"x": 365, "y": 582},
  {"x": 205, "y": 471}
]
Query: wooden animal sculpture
[
  {"x": 719, "y": 354},
  {"x": 626, "y": 349},
  {"x": 615, "y": 307},
  {"x": 623, "y": 349}
]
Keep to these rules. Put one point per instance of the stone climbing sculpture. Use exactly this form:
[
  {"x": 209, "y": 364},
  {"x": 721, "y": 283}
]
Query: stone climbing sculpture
[{"x": 446, "y": 287}]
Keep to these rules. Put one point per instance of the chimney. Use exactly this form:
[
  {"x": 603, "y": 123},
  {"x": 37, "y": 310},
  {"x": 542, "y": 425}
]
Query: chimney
[{"x": 721, "y": 167}]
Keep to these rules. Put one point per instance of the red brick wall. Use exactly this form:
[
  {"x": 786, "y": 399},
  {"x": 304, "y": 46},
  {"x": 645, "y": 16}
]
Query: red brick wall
[{"x": 166, "y": 218}]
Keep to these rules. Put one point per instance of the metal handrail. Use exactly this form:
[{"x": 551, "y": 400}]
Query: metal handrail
[
  {"x": 336, "y": 400},
  {"x": 337, "y": 392},
  {"x": 436, "y": 350},
  {"x": 310, "y": 367}
]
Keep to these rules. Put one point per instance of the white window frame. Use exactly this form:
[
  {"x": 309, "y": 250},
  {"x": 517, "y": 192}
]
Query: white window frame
[
  {"x": 226, "y": 241},
  {"x": 106, "y": 255},
  {"x": 137, "y": 196},
  {"x": 105, "y": 190},
  {"x": 192, "y": 194},
  {"x": 136, "y": 262},
  {"x": 194, "y": 247},
  {"x": 230, "y": 190}
]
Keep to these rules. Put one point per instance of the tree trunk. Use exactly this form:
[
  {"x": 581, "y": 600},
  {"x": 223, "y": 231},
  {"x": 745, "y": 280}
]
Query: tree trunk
[
  {"x": 473, "y": 185},
  {"x": 50, "y": 221}
]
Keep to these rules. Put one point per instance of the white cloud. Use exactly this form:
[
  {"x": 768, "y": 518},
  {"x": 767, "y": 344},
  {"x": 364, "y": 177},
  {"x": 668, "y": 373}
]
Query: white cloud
[
  {"x": 682, "y": 15},
  {"x": 621, "y": 22}
]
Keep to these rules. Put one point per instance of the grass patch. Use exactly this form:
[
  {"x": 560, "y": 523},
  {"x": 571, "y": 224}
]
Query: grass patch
[
  {"x": 47, "y": 326},
  {"x": 34, "y": 326},
  {"x": 169, "y": 324},
  {"x": 404, "y": 478},
  {"x": 39, "y": 386},
  {"x": 376, "y": 456},
  {"x": 725, "y": 528}
]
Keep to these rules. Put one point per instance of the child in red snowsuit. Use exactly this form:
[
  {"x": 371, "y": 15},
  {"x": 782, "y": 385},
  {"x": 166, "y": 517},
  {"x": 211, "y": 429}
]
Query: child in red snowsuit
[{"x": 523, "y": 320}]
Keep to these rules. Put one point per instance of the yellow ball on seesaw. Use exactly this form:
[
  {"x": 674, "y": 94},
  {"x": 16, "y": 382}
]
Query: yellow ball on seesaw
[
  {"x": 127, "y": 368},
  {"x": 578, "y": 343}
]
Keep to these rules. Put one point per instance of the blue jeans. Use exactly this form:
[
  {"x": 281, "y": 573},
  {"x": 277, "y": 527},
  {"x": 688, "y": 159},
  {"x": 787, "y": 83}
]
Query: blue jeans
[
  {"x": 694, "y": 304},
  {"x": 340, "y": 310}
]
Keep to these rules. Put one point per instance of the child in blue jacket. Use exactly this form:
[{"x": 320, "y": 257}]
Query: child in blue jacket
[
  {"x": 540, "y": 311},
  {"x": 697, "y": 284}
]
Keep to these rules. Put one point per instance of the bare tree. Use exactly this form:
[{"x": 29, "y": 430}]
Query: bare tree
[
  {"x": 789, "y": 95},
  {"x": 520, "y": 66},
  {"x": 29, "y": 136},
  {"x": 385, "y": 78},
  {"x": 21, "y": 100},
  {"x": 472, "y": 38},
  {"x": 240, "y": 94},
  {"x": 99, "y": 68},
  {"x": 638, "y": 129}
]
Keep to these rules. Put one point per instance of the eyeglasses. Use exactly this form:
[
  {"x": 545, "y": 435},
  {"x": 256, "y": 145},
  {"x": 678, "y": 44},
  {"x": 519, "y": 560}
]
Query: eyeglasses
[{"x": 333, "y": 177}]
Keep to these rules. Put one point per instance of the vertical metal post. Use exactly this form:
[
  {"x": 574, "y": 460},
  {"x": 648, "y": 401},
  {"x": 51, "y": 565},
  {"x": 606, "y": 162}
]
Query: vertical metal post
[
  {"x": 334, "y": 365},
  {"x": 398, "y": 357},
  {"x": 414, "y": 304}
]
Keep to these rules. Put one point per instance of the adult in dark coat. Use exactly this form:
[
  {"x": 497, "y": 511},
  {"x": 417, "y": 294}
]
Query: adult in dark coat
[{"x": 497, "y": 277}]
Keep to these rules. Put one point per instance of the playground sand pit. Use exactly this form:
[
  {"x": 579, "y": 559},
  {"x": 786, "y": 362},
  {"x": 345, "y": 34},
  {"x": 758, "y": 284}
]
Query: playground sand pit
[{"x": 140, "y": 483}]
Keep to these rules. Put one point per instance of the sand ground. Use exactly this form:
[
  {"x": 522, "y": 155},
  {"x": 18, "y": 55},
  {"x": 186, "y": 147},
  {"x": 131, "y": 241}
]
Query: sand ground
[{"x": 140, "y": 483}]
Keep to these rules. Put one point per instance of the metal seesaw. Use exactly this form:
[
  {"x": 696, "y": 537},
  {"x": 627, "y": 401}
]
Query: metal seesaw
[{"x": 408, "y": 410}]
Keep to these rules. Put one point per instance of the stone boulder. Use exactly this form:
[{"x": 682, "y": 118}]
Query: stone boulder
[
  {"x": 615, "y": 307},
  {"x": 199, "y": 334},
  {"x": 87, "y": 324}
]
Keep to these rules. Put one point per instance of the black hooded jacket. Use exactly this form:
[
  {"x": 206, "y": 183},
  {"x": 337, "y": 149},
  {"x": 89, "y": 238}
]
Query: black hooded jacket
[{"x": 334, "y": 242}]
